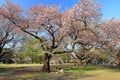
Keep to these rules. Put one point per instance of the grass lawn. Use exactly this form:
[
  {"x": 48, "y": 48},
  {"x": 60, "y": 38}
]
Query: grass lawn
[{"x": 33, "y": 72}]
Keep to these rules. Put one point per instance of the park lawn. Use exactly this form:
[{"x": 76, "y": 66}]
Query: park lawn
[{"x": 33, "y": 72}]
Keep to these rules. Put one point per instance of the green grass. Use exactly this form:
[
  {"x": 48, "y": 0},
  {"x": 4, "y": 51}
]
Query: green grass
[{"x": 33, "y": 72}]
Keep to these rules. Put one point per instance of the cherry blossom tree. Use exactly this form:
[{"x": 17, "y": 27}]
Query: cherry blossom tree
[
  {"x": 80, "y": 23},
  {"x": 43, "y": 22},
  {"x": 110, "y": 37}
]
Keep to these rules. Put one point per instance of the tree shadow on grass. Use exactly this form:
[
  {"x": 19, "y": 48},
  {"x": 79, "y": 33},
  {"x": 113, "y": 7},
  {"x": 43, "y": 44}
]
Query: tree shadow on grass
[
  {"x": 72, "y": 76},
  {"x": 79, "y": 72},
  {"x": 71, "y": 73},
  {"x": 17, "y": 73},
  {"x": 112, "y": 68},
  {"x": 34, "y": 73},
  {"x": 6, "y": 71}
]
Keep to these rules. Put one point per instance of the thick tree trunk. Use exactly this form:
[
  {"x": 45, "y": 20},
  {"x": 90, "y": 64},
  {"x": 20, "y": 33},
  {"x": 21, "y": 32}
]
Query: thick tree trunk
[
  {"x": 46, "y": 63},
  {"x": 118, "y": 59},
  {"x": 0, "y": 52},
  {"x": 79, "y": 62}
]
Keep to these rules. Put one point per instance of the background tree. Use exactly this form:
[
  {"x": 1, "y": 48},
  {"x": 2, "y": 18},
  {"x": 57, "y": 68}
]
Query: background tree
[
  {"x": 80, "y": 23},
  {"x": 9, "y": 39},
  {"x": 110, "y": 37},
  {"x": 32, "y": 50},
  {"x": 7, "y": 34}
]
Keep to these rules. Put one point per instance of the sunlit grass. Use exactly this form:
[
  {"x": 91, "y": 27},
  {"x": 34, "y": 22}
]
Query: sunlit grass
[
  {"x": 19, "y": 65},
  {"x": 103, "y": 75}
]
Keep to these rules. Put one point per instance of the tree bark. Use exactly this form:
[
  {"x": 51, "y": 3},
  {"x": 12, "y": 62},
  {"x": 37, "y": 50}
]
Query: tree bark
[
  {"x": 118, "y": 60},
  {"x": 79, "y": 62},
  {"x": 0, "y": 52},
  {"x": 46, "y": 63}
]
